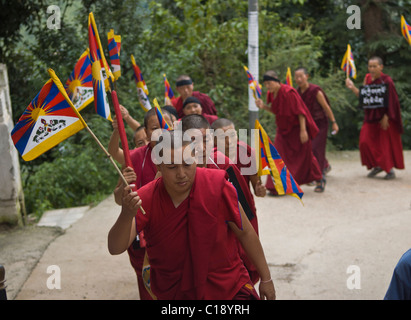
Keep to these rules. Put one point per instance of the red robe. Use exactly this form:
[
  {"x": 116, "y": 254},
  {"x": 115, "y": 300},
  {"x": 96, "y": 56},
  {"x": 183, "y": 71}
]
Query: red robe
[
  {"x": 378, "y": 147},
  {"x": 298, "y": 157},
  {"x": 192, "y": 251},
  {"x": 146, "y": 171},
  {"x": 206, "y": 103},
  {"x": 143, "y": 165},
  {"x": 245, "y": 152},
  {"x": 319, "y": 143},
  {"x": 220, "y": 161}
]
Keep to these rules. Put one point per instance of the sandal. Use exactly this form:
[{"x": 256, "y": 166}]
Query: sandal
[{"x": 320, "y": 186}]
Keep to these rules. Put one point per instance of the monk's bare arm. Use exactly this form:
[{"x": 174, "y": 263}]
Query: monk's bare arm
[
  {"x": 130, "y": 177},
  {"x": 303, "y": 129},
  {"x": 259, "y": 188},
  {"x": 327, "y": 109},
  {"x": 261, "y": 105},
  {"x": 350, "y": 85},
  {"x": 133, "y": 123},
  {"x": 113, "y": 146},
  {"x": 124, "y": 231},
  {"x": 252, "y": 247}
]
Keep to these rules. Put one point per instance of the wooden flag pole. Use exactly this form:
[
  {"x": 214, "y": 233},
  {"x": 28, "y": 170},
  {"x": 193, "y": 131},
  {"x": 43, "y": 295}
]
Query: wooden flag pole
[{"x": 60, "y": 86}]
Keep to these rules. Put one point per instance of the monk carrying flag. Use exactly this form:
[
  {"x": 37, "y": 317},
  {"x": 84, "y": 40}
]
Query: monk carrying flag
[
  {"x": 295, "y": 130},
  {"x": 191, "y": 231},
  {"x": 380, "y": 137}
]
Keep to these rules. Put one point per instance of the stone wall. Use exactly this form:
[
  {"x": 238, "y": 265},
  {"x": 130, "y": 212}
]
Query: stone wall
[{"x": 11, "y": 192}]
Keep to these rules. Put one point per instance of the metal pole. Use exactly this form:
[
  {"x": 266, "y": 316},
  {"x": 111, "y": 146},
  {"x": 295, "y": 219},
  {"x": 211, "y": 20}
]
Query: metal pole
[{"x": 252, "y": 57}]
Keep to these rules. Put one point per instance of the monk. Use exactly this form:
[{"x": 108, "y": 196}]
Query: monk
[
  {"x": 319, "y": 106},
  {"x": 238, "y": 152},
  {"x": 190, "y": 233},
  {"x": 185, "y": 88},
  {"x": 140, "y": 137},
  {"x": 143, "y": 172},
  {"x": 380, "y": 136},
  {"x": 197, "y": 129},
  {"x": 192, "y": 105},
  {"x": 295, "y": 130}
]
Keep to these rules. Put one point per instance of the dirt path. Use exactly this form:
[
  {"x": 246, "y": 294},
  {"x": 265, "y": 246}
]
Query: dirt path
[{"x": 357, "y": 221}]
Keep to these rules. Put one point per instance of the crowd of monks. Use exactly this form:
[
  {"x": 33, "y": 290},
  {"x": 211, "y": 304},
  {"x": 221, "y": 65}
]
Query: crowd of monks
[{"x": 191, "y": 227}]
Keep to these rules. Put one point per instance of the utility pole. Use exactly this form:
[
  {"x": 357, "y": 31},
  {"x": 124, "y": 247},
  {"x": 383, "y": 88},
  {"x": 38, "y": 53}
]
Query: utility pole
[{"x": 252, "y": 57}]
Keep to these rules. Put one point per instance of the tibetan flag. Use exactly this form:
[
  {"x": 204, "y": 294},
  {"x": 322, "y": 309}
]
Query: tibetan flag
[
  {"x": 406, "y": 30},
  {"x": 348, "y": 62},
  {"x": 288, "y": 78},
  {"x": 114, "y": 45},
  {"x": 99, "y": 49},
  {"x": 168, "y": 92},
  {"x": 270, "y": 162},
  {"x": 97, "y": 68},
  {"x": 47, "y": 121},
  {"x": 253, "y": 84},
  {"x": 79, "y": 85},
  {"x": 163, "y": 123},
  {"x": 142, "y": 90}
]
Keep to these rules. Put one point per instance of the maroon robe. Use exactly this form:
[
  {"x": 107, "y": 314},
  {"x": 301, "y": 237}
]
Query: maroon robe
[
  {"x": 319, "y": 143},
  {"x": 298, "y": 157},
  {"x": 143, "y": 165},
  {"x": 378, "y": 147},
  {"x": 192, "y": 251},
  {"x": 146, "y": 171},
  {"x": 220, "y": 161},
  {"x": 206, "y": 103},
  {"x": 244, "y": 151}
]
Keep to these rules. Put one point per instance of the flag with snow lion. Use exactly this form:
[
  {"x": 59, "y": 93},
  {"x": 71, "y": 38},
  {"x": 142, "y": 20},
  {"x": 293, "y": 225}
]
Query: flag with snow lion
[
  {"x": 47, "y": 121},
  {"x": 79, "y": 85}
]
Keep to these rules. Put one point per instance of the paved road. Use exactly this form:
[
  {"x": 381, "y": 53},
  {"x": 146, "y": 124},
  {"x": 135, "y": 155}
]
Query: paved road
[{"x": 357, "y": 221}]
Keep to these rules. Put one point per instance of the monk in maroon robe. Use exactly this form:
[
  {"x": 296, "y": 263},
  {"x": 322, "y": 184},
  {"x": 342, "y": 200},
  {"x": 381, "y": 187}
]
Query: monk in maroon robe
[
  {"x": 295, "y": 130},
  {"x": 209, "y": 157},
  {"x": 185, "y": 88},
  {"x": 143, "y": 172},
  {"x": 192, "y": 105},
  {"x": 319, "y": 106},
  {"x": 380, "y": 137},
  {"x": 191, "y": 234},
  {"x": 240, "y": 153}
]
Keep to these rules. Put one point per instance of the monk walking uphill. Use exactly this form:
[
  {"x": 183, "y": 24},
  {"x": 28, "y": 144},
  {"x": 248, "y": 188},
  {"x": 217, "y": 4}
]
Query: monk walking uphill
[
  {"x": 190, "y": 233},
  {"x": 380, "y": 136},
  {"x": 295, "y": 130}
]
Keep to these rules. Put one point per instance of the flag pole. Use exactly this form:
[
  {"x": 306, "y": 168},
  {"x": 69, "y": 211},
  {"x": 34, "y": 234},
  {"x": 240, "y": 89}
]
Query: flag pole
[
  {"x": 120, "y": 124},
  {"x": 60, "y": 86},
  {"x": 347, "y": 70}
]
